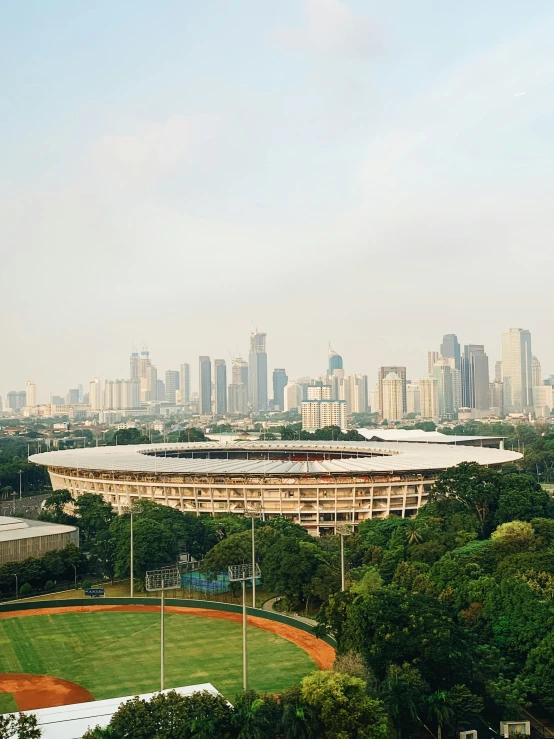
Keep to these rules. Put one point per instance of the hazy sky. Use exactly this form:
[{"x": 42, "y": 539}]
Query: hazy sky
[{"x": 365, "y": 172}]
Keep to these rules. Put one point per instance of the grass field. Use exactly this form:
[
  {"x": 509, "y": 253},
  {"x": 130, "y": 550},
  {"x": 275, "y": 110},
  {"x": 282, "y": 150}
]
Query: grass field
[
  {"x": 7, "y": 703},
  {"x": 118, "y": 653}
]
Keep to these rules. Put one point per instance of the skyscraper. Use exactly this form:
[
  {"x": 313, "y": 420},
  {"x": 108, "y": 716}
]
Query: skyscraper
[
  {"x": 428, "y": 397},
  {"x": 432, "y": 357},
  {"x": 475, "y": 377},
  {"x": 335, "y": 361},
  {"x": 95, "y": 395},
  {"x": 205, "y": 384},
  {"x": 72, "y": 397},
  {"x": 237, "y": 396},
  {"x": 355, "y": 393},
  {"x": 537, "y": 376},
  {"x": 184, "y": 382},
  {"x": 293, "y": 397},
  {"x": 220, "y": 372},
  {"x": 450, "y": 349},
  {"x": 442, "y": 371},
  {"x": 257, "y": 372},
  {"x": 240, "y": 372},
  {"x": 280, "y": 381},
  {"x": 171, "y": 385},
  {"x": 134, "y": 366},
  {"x": 144, "y": 362},
  {"x": 151, "y": 384},
  {"x": 31, "y": 399},
  {"x": 498, "y": 370},
  {"x": 383, "y": 372},
  {"x": 413, "y": 398},
  {"x": 517, "y": 370},
  {"x": 392, "y": 391}
]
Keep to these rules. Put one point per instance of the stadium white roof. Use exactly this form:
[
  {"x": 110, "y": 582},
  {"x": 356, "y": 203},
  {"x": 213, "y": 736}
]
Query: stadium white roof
[
  {"x": 424, "y": 437},
  {"x": 19, "y": 528},
  {"x": 355, "y": 458},
  {"x": 71, "y": 722}
]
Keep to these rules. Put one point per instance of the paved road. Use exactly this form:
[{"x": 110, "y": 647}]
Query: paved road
[{"x": 268, "y": 606}]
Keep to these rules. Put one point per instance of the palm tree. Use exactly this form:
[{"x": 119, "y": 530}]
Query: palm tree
[
  {"x": 413, "y": 536},
  {"x": 439, "y": 709},
  {"x": 402, "y": 689}
]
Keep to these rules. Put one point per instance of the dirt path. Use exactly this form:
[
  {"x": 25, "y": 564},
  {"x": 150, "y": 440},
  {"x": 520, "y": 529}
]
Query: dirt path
[
  {"x": 322, "y": 653},
  {"x": 41, "y": 691}
]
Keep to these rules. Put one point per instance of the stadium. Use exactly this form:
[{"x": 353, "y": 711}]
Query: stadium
[{"x": 317, "y": 484}]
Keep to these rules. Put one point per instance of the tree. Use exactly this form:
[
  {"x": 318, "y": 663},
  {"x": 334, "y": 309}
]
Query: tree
[
  {"x": 521, "y": 499},
  {"x": 19, "y": 727},
  {"x": 345, "y": 710},
  {"x": 94, "y": 515},
  {"x": 514, "y": 532},
  {"x": 403, "y": 690},
  {"x": 127, "y": 436},
  {"x": 192, "y": 434},
  {"x": 171, "y": 716},
  {"x": 471, "y": 486},
  {"x": 256, "y": 717},
  {"x": 299, "y": 720},
  {"x": 153, "y": 547},
  {"x": 54, "y": 508},
  {"x": 104, "y": 553}
]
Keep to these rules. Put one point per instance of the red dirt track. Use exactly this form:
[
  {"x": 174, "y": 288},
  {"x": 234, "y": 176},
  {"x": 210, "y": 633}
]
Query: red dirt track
[{"x": 42, "y": 691}]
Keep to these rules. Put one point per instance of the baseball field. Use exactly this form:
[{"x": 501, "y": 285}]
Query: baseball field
[{"x": 99, "y": 653}]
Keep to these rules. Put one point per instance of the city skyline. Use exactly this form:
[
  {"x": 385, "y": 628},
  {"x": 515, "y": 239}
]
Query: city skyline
[{"x": 386, "y": 152}]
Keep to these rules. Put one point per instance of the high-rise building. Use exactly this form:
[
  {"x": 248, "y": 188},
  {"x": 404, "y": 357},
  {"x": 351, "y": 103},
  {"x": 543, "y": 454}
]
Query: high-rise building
[
  {"x": 257, "y": 372},
  {"x": 130, "y": 394},
  {"x": 432, "y": 358},
  {"x": 134, "y": 366},
  {"x": 95, "y": 395},
  {"x": 335, "y": 361},
  {"x": 496, "y": 394},
  {"x": 11, "y": 400},
  {"x": 151, "y": 384},
  {"x": 374, "y": 399},
  {"x": 293, "y": 397},
  {"x": 57, "y": 400},
  {"x": 144, "y": 362},
  {"x": 428, "y": 395},
  {"x": 517, "y": 370},
  {"x": 319, "y": 392},
  {"x": 171, "y": 385},
  {"x": 355, "y": 393},
  {"x": 537, "y": 374},
  {"x": 280, "y": 381},
  {"x": 31, "y": 394},
  {"x": 205, "y": 384},
  {"x": 392, "y": 391},
  {"x": 220, "y": 372},
  {"x": 498, "y": 371},
  {"x": 160, "y": 390},
  {"x": 475, "y": 377},
  {"x": 543, "y": 400},
  {"x": 237, "y": 396},
  {"x": 317, "y": 414},
  {"x": 413, "y": 399},
  {"x": 72, "y": 397},
  {"x": 383, "y": 372},
  {"x": 450, "y": 349},
  {"x": 185, "y": 383},
  {"x": 442, "y": 371},
  {"x": 240, "y": 372}
]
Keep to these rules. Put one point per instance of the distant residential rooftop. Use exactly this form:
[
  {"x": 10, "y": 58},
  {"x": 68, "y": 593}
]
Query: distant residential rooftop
[{"x": 427, "y": 437}]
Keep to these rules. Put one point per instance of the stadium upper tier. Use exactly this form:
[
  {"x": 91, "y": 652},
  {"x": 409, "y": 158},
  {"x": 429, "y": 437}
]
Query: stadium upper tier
[{"x": 318, "y": 484}]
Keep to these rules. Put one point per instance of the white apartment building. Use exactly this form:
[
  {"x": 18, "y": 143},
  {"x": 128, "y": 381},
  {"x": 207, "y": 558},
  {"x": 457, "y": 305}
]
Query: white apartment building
[
  {"x": 95, "y": 395},
  {"x": 413, "y": 400},
  {"x": 31, "y": 394},
  {"x": 319, "y": 392},
  {"x": 317, "y": 414},
  {"x": 293, "y": 396},
  {"x": 543, "y": 400},
  {"x": 355, "y": 393},
  {"x": 428, "y": 395},
  {"x": 392, "y": 391},
  {"x": 374, "y": 399}
]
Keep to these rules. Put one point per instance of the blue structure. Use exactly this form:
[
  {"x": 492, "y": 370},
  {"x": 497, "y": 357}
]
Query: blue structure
[{"x": 335, "y": 360}]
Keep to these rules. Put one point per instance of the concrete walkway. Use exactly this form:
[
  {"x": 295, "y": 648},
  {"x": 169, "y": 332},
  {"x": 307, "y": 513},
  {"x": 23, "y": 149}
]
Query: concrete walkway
[{"x": 268, "y": 606}]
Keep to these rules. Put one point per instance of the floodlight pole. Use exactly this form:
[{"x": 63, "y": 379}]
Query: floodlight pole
[
  {"x": 162, "y": 640},
  {"x": 244, "y": 647},
  {"x": 343, "y": 531},
  {"x": 253, "y": 568},
  {"x": 132, "y": 560}
]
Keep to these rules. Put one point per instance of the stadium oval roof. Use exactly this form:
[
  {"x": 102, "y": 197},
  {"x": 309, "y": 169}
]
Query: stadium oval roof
[{"x": 283, "y": 458}]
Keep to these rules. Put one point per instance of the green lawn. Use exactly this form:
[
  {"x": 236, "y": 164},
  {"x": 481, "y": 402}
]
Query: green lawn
[
  {"x": 7, "y": 703},
  {"x": 116, "y": 654}
]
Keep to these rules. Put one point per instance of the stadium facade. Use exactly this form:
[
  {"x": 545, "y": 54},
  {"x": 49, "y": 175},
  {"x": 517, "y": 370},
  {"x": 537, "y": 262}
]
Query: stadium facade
[{"x": 318, "y": 484}]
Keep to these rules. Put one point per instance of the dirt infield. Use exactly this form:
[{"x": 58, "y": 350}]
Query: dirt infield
[
  {"x": 322, "y": 653},
  {"x": 41, "y": 691}
]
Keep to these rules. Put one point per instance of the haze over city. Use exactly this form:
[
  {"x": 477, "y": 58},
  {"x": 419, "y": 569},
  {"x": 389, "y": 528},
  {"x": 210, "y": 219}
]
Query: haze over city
[{"x": 375, "y": 175}]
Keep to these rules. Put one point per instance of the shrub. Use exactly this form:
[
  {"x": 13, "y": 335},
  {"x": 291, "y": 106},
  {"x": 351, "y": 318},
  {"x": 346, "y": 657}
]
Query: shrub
[
  {"x": 49, "y": 585},
  {"x": 86, "y": 584},
  {"x": 25, "y": 590}
]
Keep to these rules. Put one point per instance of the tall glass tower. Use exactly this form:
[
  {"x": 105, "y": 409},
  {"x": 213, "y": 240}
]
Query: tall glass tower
[
  {"x": 257, "y": 372},
  {"x": 335, "y": 361}
]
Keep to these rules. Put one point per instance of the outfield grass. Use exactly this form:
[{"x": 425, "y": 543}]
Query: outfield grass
[
  {"x": 117, "y": 654},
  {"x": 7, "y": 703}
]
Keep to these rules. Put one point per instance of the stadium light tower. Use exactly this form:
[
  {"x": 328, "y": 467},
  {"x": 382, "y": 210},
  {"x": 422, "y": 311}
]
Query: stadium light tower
[
  {"x": 242, "y": 573},
  {"x": 168, "y": 578},
  {"x": 129, "y": 509},
  {"x": 252, "y": 515},
  {"x": 343, "y": 531}
]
